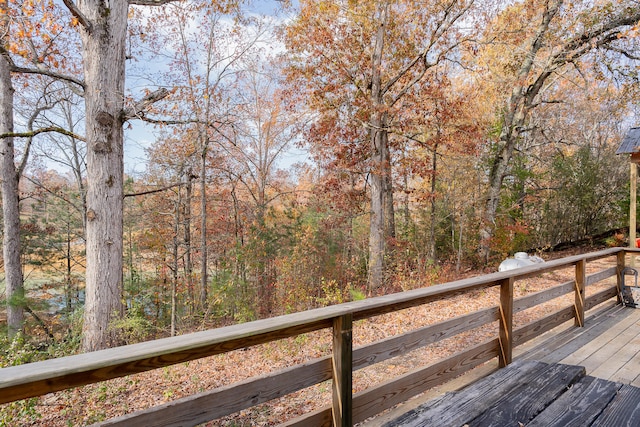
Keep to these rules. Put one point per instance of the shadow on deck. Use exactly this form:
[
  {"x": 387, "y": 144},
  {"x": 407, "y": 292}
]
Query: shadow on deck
[{"x": 569, "y": 376}]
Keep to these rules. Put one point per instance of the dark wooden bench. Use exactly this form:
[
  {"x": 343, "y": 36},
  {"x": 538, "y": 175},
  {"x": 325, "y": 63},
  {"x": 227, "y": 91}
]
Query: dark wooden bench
[{"x": 532, "y": 393}]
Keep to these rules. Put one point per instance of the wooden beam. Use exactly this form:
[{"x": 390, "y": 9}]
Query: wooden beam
[
  {"x": 342, "y": 408},
  {"x": 600, "y": 297},
  {"x": 543, "y": 296},
  {"x": 580, "y": 280},
  {"x": 620, "y": 265},
  {"x": 506, "y": 322},
  {"x": 633, "y": 181}
]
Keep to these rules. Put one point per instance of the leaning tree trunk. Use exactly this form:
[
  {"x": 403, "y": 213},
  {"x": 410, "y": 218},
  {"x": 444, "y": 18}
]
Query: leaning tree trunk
[
  {"x": 10, "y": 202},
  {"x": 515, "y": 113},
  {"x": 103, "y": 33}
]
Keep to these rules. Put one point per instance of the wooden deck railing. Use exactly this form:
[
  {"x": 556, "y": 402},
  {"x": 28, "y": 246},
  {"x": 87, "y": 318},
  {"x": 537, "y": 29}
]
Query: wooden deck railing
[{"x": 39, "y": 378}]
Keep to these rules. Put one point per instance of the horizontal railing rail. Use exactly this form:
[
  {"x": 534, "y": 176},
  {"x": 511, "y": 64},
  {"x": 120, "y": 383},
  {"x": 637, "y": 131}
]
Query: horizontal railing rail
[{"x": 39, "y": 378}]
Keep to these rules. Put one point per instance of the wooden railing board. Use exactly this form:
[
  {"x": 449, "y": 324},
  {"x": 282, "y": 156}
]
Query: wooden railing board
[
  {"x": 397, "y": 390},
  {"x": 202, "y": 407},
  {"x": 34, "y": 379},
  {"x": 412, "y": 340},
  {"x": 601, "y": 275},
  {"x": 399, "y": 301},
  {"x": 223, "y": 401},
  {"x": 552, "y": 265},
  {"x": 41, "y": 377},
  {"x": 540, "y": 326},
  {"x": 317, "y": 418},
  {"x": 546, "y": 295},
  {"x": 600, "y": 297},
  {"x": 543, "y": 296}
]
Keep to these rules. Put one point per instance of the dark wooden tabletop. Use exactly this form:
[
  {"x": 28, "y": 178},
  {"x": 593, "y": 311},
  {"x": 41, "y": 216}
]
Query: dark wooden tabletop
[{"x": 532, "y": 393}]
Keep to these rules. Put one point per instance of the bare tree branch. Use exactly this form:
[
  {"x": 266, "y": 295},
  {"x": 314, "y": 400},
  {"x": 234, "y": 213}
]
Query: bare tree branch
[
  {"x": 139, "y": 108},
  {"x": 151, "y": 2},
  {"x": 39, "y": 131},
  {"x": 49, "y": 73},
  {"x": 78, "y": 14},
  {"x": 157, "y": 190}
]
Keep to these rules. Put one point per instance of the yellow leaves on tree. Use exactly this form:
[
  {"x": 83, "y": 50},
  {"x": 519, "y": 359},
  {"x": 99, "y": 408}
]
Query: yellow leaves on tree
[{"x": 38, "y": 35}]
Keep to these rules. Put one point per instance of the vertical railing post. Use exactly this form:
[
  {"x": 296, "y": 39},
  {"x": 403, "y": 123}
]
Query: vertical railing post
[
  {"x": 620, "y": 265},
  {"x": 342, "y": 371},
  {"x": 506, "y": 322},
  {"x": 581, "y": 278}
]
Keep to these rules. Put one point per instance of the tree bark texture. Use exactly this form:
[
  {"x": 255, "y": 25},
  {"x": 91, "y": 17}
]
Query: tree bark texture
[
  {"x": 103, "y": 42},
  {"x": 381, "y": 216},
  {"x": 10, "y": 199},
  {"x": 204, "y": 273}
]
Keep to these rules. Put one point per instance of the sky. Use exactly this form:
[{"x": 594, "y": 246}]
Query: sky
[{"x": 139, "y": 136}]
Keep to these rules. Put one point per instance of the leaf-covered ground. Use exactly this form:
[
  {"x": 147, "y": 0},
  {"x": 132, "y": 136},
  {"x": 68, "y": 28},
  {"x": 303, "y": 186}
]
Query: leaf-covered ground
[{"x": 98, "y": 402}]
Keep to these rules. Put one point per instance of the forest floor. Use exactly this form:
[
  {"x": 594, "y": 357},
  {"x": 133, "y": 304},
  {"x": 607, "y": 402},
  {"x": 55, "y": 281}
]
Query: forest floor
[{"x": 94, "y": 403}]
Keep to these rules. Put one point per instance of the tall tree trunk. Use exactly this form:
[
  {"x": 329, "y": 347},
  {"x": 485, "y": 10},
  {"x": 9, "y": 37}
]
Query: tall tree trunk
[
  {"x": 387, "y": 193},
  {"x": 104, "y": 27},
  {"x": 10, "y": 199},
  {"x": 379, "y": 162},
  {"x": 262, "y": 260},
  {"x": 175, "y": 264},
  {"x": 203, "y": 227},
  {"x": 188, "y": 266},
  {"x": 377, "y": 217},
  {"x": 240, "y": 269},
  {"x": 432, "y": 215}
]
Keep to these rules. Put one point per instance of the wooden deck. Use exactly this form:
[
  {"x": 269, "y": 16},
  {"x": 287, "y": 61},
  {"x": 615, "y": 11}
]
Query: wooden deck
[
  {"x": 608, "y": 346},
  {"x": 569, "y": 376}
]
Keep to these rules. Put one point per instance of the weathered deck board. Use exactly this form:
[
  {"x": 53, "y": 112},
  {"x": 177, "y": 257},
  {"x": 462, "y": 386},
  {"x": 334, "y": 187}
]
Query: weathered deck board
[
  {"x": 603, "y": 346},
  {"x": 623, "y": 411},
  {"x": 560, "y": 344},
  {"x": 491, "y": 397},
  {"x": 579, "y": 406},
  {"x": 520, "y": 405},
  {"x": 629, "y": 373},
  {"x": 534, "y": 394},
  {"x": 606, "y": 363},
  {"x": 608, "y": 354},
  {"x": 458, "y": 407}
]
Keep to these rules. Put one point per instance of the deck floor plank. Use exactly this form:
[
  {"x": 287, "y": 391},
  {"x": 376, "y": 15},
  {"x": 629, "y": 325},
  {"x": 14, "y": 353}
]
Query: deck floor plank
[
  {"x": 604, "y": 346},
  {"x": 564, "y": 344},
  {"x": 609, "y": 360},
  {"x": 629, "y": 370},
  {"x": 629, "y": 373}
]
